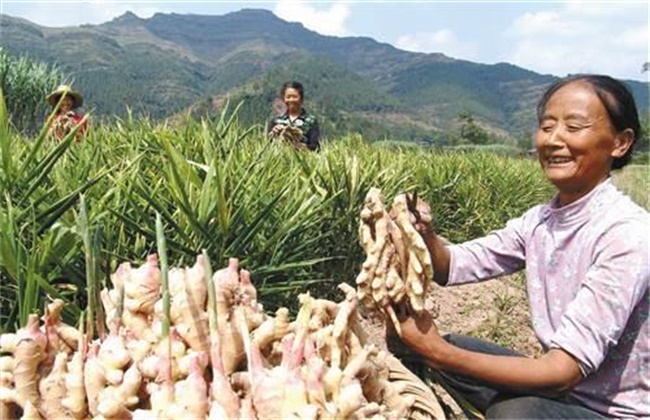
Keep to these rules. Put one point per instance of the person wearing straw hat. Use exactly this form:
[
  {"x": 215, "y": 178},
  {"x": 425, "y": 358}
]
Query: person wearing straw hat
[{"x": 64, "y": 101}]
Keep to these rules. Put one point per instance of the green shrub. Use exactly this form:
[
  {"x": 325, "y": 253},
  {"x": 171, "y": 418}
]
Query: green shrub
[{"x": 25, "y": 84}]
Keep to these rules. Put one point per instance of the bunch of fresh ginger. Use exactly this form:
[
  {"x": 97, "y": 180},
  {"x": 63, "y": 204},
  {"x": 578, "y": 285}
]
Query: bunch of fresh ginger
[
  {"x": 398, "y": 268},
  {"x": 202, "y": 347},
  {"x": 289, "y": 134}
]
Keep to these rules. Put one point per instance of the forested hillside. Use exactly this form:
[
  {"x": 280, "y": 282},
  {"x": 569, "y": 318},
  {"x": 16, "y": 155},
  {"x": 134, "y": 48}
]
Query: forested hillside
[{"x": 171, "y": 64}]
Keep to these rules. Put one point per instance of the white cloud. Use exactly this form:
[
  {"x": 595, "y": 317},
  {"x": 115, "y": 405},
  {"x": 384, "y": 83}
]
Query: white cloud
[
  {"x": 330, "y": 21},
  {"x": 443, "y": 40},
  {"x": 582, "y": 37},
  {"x": 53, "y": 13}
]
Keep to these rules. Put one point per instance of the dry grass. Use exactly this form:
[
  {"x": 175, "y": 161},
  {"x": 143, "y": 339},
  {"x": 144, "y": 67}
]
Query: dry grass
[{"x": 635, "y": 181}]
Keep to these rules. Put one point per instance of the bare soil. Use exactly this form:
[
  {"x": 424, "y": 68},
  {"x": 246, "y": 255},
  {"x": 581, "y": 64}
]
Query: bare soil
[{"x": 495, "y": 310}]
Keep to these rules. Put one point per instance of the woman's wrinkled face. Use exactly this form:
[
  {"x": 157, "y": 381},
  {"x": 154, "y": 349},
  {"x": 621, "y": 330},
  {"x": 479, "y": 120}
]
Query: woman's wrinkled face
[
  {"x": 576, "y": 141},
  {"x": 292, "y": 99}
]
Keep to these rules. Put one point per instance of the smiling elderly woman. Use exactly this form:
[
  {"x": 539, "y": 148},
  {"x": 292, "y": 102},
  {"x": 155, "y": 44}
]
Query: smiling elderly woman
[{"x": 587, "y": 266}]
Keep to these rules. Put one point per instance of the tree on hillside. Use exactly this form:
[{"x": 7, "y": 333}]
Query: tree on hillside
[
  {"x": 25, "y": 84},
  {"x": 471, "y": 132},
  {"x": 525, "y": 141}
]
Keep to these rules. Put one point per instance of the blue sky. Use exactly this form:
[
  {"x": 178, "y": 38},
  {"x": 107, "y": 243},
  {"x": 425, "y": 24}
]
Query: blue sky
[{"x": 548, "y": 37}]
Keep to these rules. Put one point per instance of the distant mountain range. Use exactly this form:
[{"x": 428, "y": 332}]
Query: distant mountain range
[{"x": 171, "y": 64}]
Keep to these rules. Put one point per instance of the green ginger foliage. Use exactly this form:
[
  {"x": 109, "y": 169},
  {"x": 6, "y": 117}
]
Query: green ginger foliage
[{"x": 25, "y": 83}]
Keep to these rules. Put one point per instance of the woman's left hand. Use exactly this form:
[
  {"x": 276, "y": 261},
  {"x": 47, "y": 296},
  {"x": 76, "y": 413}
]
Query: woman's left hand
[{"x": 420, "y": 334}]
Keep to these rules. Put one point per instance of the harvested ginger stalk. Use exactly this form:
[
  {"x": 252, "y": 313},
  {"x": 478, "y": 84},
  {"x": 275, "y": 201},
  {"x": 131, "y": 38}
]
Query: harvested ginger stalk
[{"x": 398, "y": 264}]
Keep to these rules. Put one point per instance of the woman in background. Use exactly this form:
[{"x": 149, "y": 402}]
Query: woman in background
[{"x": 295, "y": 124}]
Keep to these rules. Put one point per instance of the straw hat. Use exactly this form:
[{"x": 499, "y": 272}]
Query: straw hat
[{"x": 54, "y": 97}]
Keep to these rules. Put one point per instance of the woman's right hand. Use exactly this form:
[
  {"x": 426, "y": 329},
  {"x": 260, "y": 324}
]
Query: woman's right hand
[
  {"x": 419, "y": 215},
  {"x": 276, "y": 130},
  {"x": 421, "y": 218}
]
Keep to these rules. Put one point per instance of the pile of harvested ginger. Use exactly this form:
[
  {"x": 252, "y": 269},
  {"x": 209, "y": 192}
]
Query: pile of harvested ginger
[
  {"x": 235, "y": 362},
  {"x": 186, "y": 343}
]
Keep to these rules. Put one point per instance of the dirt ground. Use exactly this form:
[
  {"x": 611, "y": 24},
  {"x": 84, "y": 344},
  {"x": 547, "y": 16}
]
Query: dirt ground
[{"x": 495, "y": 310}]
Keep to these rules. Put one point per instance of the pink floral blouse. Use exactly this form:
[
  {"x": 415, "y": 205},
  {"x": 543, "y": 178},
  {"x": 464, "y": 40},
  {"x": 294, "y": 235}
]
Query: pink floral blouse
[{"x": 588, "y": 272}]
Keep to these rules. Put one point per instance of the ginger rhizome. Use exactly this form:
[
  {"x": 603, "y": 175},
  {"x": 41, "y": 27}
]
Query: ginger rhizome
[
  {"x": 224, "y": 356},
  {"x": 398, "y": 267}
]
